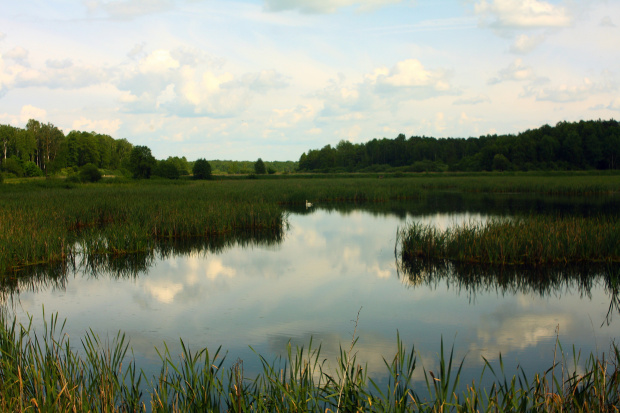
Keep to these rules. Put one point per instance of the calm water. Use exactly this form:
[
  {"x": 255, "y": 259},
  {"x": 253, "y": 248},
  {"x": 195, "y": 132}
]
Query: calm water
[{"x": 330, "y": 265}]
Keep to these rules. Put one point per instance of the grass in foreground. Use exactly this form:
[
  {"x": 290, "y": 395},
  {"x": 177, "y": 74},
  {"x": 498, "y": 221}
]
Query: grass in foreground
[
  {"x": 46, "y": 374},
  {"x": 533, "y": 241}
]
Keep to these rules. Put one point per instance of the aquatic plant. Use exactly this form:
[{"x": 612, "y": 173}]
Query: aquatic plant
[
  {"x": 533, "y": 241},
  {"x": 46, "y": 373}
]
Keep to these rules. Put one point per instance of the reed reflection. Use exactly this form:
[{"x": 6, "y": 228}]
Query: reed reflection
[
  {"x": 124, "y": 266},
  {"x": 555, "y": 281}
]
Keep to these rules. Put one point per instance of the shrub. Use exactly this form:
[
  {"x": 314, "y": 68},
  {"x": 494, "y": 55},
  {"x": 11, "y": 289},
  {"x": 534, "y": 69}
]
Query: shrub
[
  {"x": 13, "y": 165},
  {"x": 31, "y": 169},
  {"x": 90, "y": 173}
]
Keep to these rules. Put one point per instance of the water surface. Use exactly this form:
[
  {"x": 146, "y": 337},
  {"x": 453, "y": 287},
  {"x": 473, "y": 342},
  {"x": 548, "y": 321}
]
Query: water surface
[{"x": 331, "y": 265}]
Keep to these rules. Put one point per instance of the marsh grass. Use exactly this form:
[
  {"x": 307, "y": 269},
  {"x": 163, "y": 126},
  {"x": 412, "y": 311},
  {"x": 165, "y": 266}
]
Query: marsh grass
[
  {"x": 47, "y": 221},
  {"x": 46, "y": 373},
  {"x": 531, "y": 241}
]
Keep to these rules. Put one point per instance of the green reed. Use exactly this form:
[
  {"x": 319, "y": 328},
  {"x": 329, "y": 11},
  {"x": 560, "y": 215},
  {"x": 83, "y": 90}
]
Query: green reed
[
  {"x": 46, "y": 373},
  {"x": 47, "y": 221},
  {"x": 534, "y": 241}
]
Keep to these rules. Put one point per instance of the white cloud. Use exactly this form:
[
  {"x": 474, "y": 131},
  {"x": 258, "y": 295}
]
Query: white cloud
[
  {"x": 128, "y": 9},
  {"x": 265, "y": 80},
  {"x": 285, "y": 118},
  {"x": 31, "y": 112},
  {"x": 474, "y": 100},
  {"x": 615, "y": 104},
  {"x": 569, "y": 92},
  {"x": 18, "y": 55},
  {"x": 607, "y": 22},
  {"x": 522, "y": 14},
  {"x": 163, "y": 291},
  {"x": 59, "y": 64},
  {"x": 525, "y": 44},
  {"x": 325, "y": 6},
  {"x": 105, "y": 126},
  {"x": 516, "y": 71},
  {"x": 215, "y": 268},
  {"x": 2, "y": 36},
  {"x": 411, "y": 73},
  {"x": 186, "y": 83}
]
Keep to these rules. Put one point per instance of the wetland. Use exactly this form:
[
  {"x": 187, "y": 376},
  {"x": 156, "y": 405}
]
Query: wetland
[{"x": 246, "y": 266}]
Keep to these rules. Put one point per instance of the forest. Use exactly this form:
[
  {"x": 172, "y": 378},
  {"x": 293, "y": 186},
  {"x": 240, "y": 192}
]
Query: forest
[
  {"x": 42, "y": 149},
  {"x": 580, "y": 145}
]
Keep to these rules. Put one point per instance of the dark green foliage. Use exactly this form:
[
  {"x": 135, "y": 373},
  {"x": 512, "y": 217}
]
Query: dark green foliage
[
  {"x": 201, "y": 169},
  {"x": 166, "y": 169},
  {"x": 567, "y": 146},
  {"x": 500, "y": 163},
  {"x": 90, "y": 173},
  {"x": 13, "y": 165},
  {"x": 31, "y": 169},
  {"x": 259, "y": 167},
  {"x": 141, "y": 162}
]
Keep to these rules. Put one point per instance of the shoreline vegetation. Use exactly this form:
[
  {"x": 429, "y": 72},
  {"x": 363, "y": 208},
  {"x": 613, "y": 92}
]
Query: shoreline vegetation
[
  {"x": 46, "y": 373},
  {"x": 524, "y": 241},
  {"x": 51, "y": 220}
]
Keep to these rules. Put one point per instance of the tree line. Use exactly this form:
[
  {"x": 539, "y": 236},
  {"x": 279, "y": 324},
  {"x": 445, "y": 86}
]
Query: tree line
[
  {"x": 565, "y": 146},
  {"x": 42, "y": 149}
]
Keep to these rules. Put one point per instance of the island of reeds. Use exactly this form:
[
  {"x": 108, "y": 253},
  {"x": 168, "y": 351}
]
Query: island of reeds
[{"x": 529, "y": 241}]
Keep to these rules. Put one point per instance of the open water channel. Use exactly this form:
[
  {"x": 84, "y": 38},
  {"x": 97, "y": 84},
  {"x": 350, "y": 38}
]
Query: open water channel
[{"x": 331, "y": 264}]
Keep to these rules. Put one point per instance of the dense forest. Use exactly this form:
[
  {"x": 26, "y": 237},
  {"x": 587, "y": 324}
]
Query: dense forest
[
  {"x": 42, "y": 149},
  {"x": 566, "y": 146}
]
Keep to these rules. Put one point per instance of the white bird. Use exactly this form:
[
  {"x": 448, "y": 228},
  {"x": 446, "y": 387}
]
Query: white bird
[{"x": 308, "y": 204}]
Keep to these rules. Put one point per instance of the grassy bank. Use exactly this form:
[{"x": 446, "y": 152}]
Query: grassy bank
[
  {"x": 45, "y": 373},
  {"x": 533, "y": 241}
]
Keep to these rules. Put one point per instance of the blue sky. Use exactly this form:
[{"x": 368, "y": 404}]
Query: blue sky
[{"x": 273, "y": 78}]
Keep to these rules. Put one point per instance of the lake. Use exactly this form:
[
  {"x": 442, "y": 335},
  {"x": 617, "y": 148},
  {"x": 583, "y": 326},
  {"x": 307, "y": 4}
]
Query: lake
[{"x": 333, "y": 274}]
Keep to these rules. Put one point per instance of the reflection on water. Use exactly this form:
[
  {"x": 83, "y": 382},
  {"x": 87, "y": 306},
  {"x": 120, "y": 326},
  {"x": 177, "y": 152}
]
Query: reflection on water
[{"x": 265, "y": 291}]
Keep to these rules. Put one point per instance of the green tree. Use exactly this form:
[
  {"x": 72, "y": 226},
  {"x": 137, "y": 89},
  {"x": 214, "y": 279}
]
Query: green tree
[
  {"x": 141, "y": 162},
  {"x": 167, "y": 169},
  {"x": 90, "y": 173},
  {"x": 201, "y": 169},
  {"x": 500, "y": 163},
  {"x": 259, "y": 167}
]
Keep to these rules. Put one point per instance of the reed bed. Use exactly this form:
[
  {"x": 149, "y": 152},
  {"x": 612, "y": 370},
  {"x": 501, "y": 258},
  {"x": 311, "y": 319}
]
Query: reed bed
[
  {"x": 532, "y": 241},
  {"x": 46, "y": 373},
  {"x": 48, "y": 221}
]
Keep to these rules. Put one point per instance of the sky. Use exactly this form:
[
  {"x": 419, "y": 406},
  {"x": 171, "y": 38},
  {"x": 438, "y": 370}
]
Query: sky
[{"x": 243, "y": 79}]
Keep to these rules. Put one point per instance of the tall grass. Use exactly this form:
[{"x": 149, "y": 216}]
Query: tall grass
[
  {"x": 48, "y": 221},
  {"x": 46, "y": 373},
  {"x": 533, "y": 241}
]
